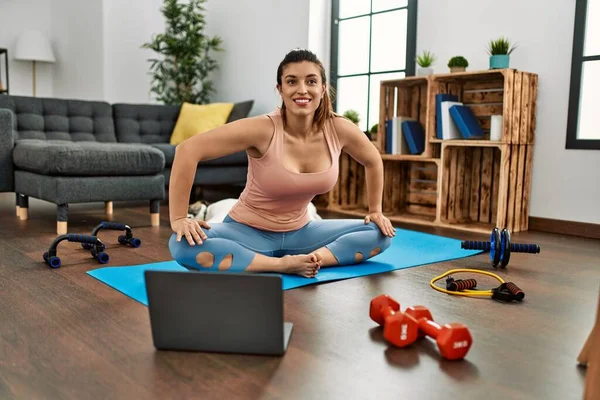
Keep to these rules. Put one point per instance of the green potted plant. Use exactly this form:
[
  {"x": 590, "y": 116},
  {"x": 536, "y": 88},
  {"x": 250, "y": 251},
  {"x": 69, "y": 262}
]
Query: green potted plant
[
  {"x": 372, "y": 133},
  {"x": 499, "y": 51},
  {"x": 425, "y": 61},
  {"x": 181, "y": 72},
  {"x": 458, "y": 64},
  {"x": 353, "y": 116}
]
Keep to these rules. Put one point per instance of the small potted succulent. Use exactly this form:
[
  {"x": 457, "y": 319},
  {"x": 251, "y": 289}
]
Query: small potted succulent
[
  {"x": 353, "y": 116},
  {"x": 458, "y": 64},
  {"x": 499, "y": 51},
  {"x": 425, "y": 60}
]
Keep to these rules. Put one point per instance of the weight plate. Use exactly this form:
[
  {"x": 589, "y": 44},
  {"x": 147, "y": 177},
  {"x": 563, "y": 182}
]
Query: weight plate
[
  {"x": 505, "y": 258},
  {"x": 495, "y": 247}
]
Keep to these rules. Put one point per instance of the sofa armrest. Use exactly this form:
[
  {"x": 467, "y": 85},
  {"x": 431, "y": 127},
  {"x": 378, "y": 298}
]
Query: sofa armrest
[{"x": 7, "y": 143}]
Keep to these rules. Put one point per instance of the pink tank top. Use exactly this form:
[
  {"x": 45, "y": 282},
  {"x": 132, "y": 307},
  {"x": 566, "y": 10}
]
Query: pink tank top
[{"x": 276, "y": 199}]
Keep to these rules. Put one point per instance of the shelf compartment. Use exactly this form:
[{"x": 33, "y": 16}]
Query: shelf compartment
[
  {"x": 495, "y": 92},
  {"x": 487, "y": 186},
  {"x": 403, "y": 98},
  {"x": 350, "y": 190},
  {"x": 470, "y": 185},
  {"x": 410, "y": 188}
]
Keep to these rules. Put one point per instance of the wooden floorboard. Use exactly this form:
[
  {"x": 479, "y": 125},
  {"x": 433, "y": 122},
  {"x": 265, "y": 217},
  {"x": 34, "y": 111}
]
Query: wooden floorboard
[{"x": 65, "y": 335}]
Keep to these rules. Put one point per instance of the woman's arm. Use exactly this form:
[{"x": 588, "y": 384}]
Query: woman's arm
[
  {"x": 240, "y": 135},
  {"x": 359, "y": 147}
]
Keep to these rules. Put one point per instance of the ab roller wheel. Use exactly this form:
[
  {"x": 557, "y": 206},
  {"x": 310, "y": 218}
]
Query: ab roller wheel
[
  {"x": 91, "y": 242},
  {"x": 500, "y": 247},
  {"x": 126, "y": 239}
]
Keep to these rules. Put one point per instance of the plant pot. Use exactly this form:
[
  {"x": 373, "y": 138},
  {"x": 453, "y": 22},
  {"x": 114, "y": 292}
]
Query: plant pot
[
  {"x": 499, "y": 61},
  {"x": 458, "y": 69},
  {"x": 424, "y": 71}
]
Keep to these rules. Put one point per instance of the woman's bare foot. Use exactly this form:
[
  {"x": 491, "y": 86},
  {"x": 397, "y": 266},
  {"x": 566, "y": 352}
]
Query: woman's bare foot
[{"x": 306, "y": 265}]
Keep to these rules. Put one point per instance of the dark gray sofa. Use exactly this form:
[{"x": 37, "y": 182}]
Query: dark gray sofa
[{"x": 75, "y": 151}]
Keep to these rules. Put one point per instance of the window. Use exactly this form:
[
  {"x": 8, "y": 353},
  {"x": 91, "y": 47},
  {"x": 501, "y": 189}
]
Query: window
[
  {"x": 371, "y": 41},
  {"x": 583, "y": 130}
]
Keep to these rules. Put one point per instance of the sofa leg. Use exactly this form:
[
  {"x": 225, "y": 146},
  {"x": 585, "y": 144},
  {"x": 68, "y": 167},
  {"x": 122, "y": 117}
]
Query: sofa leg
[
  {"x": 108, "y": 208},
  {"x": 23, "y": 202},
  {"x": 62, "y": 212},
  {"x": 18, "y": 207},
  {"x": 155, "y": 212}
]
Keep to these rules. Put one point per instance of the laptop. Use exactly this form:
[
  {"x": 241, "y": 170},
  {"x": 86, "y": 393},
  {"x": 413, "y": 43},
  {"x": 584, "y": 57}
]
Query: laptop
[{"x": 217, "y": 312}]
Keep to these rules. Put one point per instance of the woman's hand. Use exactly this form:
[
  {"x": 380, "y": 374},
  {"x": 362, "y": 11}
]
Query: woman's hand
[
  {"x": 191, "y": 229},
  {"x": 382, "y": 222}
]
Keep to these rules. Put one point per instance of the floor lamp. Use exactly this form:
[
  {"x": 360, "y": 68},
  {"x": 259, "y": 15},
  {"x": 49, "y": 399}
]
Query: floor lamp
[{"x": 33, "y": 46}]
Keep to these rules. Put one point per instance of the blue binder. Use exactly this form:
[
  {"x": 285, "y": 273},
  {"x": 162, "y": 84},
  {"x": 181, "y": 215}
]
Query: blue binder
[
  {"x": 414, "y": 135},
  {"x": 466, "y": 122}
]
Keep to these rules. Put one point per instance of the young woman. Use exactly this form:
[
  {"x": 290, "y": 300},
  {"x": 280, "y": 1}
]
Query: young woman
[{"x": 293, "y": 156}]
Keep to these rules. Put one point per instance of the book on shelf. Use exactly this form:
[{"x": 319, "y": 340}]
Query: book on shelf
[
  {"x": 394, "y": 140},
  {"x": 449, "y": 129},
  {"x": 439, "y": 98},
  {"x": 414, "y": 134},
  {"x": 465, "y": 121}
]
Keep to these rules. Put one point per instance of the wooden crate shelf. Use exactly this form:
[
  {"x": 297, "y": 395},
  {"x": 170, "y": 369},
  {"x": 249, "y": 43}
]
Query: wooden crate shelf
[
  {"x": 505, "y": 92},
  {"x": 469, "y": 185}
]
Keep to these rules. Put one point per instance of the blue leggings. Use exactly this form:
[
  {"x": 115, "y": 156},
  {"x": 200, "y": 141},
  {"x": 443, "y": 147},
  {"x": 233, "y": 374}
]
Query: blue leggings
[{"x": 343, "y": 237}]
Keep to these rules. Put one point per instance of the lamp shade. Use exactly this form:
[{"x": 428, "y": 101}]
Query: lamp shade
[{"x": 33, "y": 46}]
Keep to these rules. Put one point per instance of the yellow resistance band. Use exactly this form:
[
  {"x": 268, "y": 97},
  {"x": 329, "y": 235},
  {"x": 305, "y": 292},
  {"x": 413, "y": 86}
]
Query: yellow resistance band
[{"x": 466, "y": 292}]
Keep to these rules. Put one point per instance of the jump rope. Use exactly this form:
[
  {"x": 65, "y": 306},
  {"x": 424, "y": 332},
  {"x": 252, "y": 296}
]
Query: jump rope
[{"x": 507, "y": 291}]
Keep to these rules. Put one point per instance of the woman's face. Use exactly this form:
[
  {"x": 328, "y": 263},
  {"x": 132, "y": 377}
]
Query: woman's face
[{"x": 301, "y": 88}]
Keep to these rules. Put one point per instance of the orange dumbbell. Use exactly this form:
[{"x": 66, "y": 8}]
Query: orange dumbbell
[
  {"x": 453, "y": 340},
  {"x": 399, "y": 328}
]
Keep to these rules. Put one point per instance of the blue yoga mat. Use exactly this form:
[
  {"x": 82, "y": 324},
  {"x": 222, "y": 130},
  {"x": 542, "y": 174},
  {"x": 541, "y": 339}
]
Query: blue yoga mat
[{"x": 408, "y": 249}]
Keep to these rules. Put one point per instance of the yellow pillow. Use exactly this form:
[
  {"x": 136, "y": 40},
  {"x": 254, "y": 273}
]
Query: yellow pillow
[{"x": 198, "y": 118}]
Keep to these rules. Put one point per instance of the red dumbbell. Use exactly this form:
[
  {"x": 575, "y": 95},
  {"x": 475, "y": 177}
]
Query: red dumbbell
[
  {"x": 398, "y": 328},
  {"x": 453, "y": 340}
]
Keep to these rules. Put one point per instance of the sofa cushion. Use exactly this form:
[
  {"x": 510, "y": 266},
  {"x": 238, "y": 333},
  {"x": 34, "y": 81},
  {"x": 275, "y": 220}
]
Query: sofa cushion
[
  {"x": 168, "y": 150},
  {"x": 240, "y": 110},
  {"x": 144, "y": 123},
  {"x": 83, "y": 189},
  {"x": 60, "y": 119},
  {"x": 154, "y": 123},
  {"x": 87, "y": 158}
]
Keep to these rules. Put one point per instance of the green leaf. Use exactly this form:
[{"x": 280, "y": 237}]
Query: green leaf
[
  {"x": 182, "y": 73},
  {"x": 425, "y": 59}
]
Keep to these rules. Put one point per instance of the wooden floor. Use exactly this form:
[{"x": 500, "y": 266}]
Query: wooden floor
[{"x": 64, "y": 335}]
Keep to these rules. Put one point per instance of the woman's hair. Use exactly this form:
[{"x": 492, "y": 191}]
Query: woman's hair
[{"x": 325, "y": 109}]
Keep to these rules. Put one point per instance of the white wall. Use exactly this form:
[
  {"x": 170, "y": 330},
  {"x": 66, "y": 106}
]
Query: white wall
[
  {"x": 126, "y": 69},
  {"x": 16, "y": 17},
  {"x": 256, "y": 36},
  {"x": 565, "y": 182},
  {"x": 77, "y": 36},
  {"x": 319, "y": 32}
]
